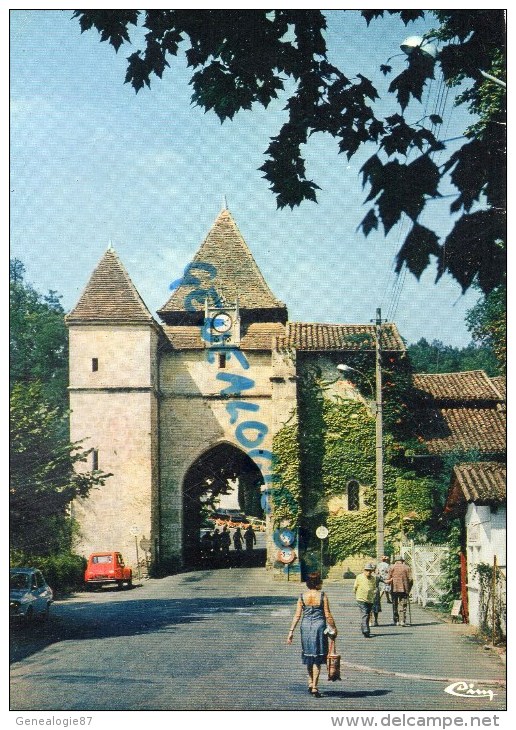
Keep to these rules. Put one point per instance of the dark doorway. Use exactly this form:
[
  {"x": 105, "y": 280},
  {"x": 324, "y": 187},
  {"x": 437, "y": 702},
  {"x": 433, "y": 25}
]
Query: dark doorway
[{"x": 211, "y": 476}]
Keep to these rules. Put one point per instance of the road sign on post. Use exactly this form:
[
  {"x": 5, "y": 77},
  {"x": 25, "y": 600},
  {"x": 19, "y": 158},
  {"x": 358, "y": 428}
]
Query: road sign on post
[
  {"x": 322, "y": 534},
  {"x": 145, "y": 544}
]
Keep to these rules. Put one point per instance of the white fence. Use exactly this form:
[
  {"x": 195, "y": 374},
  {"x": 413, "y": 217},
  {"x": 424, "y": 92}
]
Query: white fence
[{"x": 425, "y": 562}]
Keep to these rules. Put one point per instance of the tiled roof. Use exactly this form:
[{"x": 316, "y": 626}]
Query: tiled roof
[
  {"x": 109, "y": 296},
  {"x": 236, "y": 272},
  {"x": 500, "y": 383},
  {"x": 255, "y": 336},
  {"x": 318, "y": 337},
  {"x": 482, "y": 481},
  {"x": 479, "y": 482},
  {"x": 464, "y": 429},
  {"x": 473, "y": 385}
]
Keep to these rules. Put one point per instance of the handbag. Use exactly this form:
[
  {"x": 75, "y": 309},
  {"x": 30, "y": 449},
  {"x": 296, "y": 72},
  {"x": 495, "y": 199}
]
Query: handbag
[{"x": 333, "y": 663}]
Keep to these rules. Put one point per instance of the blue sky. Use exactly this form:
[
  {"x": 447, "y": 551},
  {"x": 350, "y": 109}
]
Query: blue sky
[{"x": 91, "y": 162}]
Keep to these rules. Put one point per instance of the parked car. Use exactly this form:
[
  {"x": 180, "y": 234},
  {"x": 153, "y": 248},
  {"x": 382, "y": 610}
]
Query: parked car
[
  {"x": 29, "y": 594},
  {"x": 106, "y": 568},
  {"x": 230, "y": 517}
]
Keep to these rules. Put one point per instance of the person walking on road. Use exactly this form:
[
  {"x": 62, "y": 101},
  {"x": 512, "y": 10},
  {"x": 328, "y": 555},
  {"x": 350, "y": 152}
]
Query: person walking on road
[
  {"x": 377, "y": 604},
  {"x": 382, "y": 571},
  {"x": 250, "y": 538},
  {"x": 365, "y": 589},
  {"x": 314, "y": 611},
  {"x": 400, "y": 580},
  {"x": 238, "y": 540},
  {"x": 215, "y": 545},
  {"x": 225, "y": 543},
  {"x": 206, "y": 546}
]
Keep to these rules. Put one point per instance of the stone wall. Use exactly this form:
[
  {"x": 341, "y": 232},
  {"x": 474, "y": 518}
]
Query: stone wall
[
  {"x": 114, "y": 411},
  {"x": 118, "y": 425},
  {"x": 194, "y": 418}
]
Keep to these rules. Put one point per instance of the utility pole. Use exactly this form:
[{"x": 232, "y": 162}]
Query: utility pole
[{"x": 379, "y": 439}]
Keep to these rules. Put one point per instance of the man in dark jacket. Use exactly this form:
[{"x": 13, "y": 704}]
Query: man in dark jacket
[{"x": 400, "y": 580}]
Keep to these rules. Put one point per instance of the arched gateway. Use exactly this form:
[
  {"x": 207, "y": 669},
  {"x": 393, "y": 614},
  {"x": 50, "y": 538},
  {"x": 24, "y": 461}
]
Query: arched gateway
[
  {"x": 222, "y": 475},
  {"x": 167, "y": 406}
]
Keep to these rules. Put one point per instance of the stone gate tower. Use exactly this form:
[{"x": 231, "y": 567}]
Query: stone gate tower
[
  {"x": 165, "y": 406},
  {"x": 114, "y": 405},
  {"x": 178, "y": 410}
]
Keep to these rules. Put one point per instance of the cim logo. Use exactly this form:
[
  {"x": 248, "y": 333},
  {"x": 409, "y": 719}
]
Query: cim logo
[{"x": 468, "y": 689}]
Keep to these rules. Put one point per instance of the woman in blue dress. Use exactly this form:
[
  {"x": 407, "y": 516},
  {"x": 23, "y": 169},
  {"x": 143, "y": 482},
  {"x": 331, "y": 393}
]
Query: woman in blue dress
[{"x": 314, "y": 611}]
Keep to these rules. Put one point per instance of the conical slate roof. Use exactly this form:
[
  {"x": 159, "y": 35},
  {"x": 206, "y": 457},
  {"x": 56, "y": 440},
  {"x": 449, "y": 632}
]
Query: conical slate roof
[
  {"x": 109, "y": 296},
  {"x": 232, "y": 272}
]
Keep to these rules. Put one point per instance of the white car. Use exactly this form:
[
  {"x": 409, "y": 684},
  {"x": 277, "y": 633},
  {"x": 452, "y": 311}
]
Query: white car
[
  {"x": 29, "y": 594},
  {"x": 257, "y": 524}
]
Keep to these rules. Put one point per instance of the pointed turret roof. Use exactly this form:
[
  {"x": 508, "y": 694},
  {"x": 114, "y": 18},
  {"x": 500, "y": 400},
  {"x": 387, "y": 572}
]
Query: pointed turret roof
[
  {"x": 232, "y": 272},
  {"x": 109, "y": 296}
]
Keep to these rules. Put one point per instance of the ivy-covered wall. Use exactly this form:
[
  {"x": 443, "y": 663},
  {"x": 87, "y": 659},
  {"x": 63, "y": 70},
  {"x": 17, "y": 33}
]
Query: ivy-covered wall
[
  {"x": 286, "y": 478},
  {"x": 332, "y": 443}
]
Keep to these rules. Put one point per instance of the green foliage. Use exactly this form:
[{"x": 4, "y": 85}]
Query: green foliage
[
  {"x": 415, "y": 502},
  {"x": 338, "y": 444},
  {"x": 245, "y": 57},
  {"x": 286, "y": 493},
  {"x": 487, "y": 322},
  {"x": 354, "y": 533},
  {"x": 449, "y": 581},
  {"x": 43, "y": 479},
  {"x": 436, "y": 357},
  {"x": 38, "y": 338},
  {"x": 63, "y": 571}
]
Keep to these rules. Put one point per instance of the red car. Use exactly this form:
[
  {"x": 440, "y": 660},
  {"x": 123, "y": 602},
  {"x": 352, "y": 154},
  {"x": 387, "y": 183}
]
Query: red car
[{"x": 106, "y": 568}]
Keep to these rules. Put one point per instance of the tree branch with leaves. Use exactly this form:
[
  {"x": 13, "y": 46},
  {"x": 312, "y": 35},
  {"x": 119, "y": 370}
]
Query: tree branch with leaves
[{"x": 244, "y": 57}]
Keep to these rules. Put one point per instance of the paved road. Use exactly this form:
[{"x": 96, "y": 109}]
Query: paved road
[{"x": 215, "y": 640}]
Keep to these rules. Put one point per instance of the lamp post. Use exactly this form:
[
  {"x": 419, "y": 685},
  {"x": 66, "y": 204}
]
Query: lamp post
[
  {"x": 343, "y": 368},
  {"x": 379, "y": 434}
]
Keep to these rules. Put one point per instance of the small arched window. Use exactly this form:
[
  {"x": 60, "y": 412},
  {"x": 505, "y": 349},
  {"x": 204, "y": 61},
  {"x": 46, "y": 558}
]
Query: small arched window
[{"x": 353, "y": 495}]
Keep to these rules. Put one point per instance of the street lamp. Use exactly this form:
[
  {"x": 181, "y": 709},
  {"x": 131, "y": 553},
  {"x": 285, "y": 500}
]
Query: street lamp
[
  {"x": 414, "y": 42},
  {"x": 429, "y": 49},
  {"x": 343, "y": 368}
]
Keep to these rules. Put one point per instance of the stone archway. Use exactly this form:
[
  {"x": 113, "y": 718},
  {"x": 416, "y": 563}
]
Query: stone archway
[{"x": 211, "y": 476}]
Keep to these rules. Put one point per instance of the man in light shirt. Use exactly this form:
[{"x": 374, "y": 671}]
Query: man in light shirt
[{"x": 365, "y": 588}]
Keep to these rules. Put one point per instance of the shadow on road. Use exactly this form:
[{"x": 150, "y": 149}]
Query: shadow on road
[
  {"x": 123, "y": 618},
  {"x": 361, "y": 693},
  {"x": 245, "y": 559}
]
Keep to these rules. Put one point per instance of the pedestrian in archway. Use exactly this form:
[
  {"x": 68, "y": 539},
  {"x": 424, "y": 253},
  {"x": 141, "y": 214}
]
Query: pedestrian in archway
[
  {"x": 400, "y": 580},
  {"x": 238, "y": 540},
  {"x": 250, "y": 538},
  {"x": 206, "y": 546},
  {"x": 215, "y": 545},
  {"x": 225, "y": 543},
  {"x": 314, "y": 611},
  {"x": 365, "y": 589}
]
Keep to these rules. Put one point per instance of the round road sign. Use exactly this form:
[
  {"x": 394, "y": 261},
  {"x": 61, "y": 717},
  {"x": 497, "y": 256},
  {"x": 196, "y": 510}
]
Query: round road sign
[
  {"x": 322, "y": 532},
  {"x": 286, "y": 555}
]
